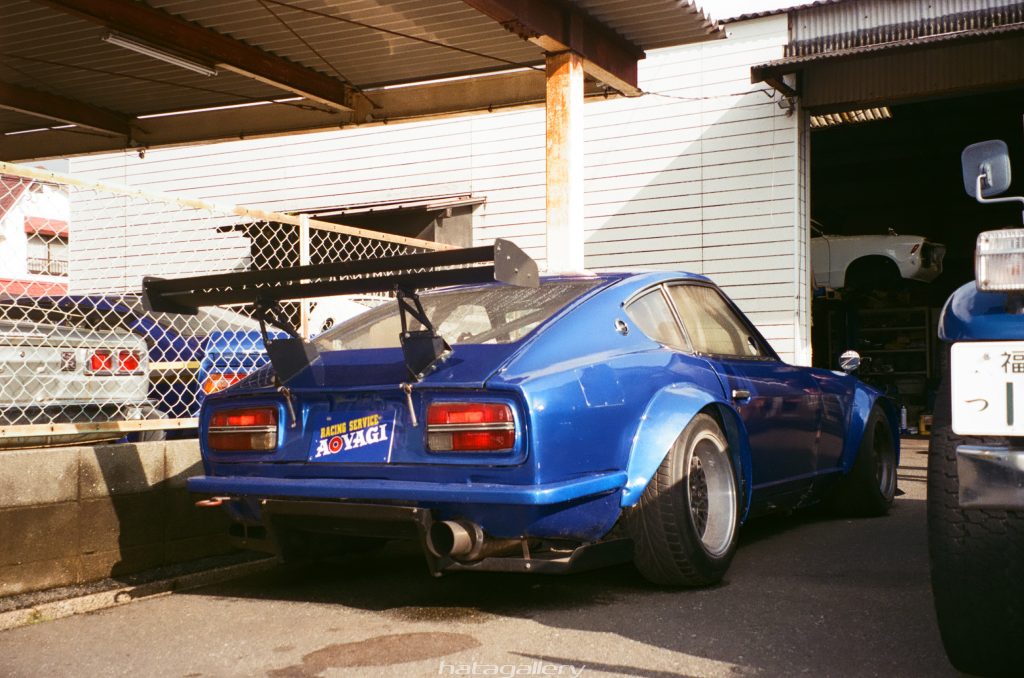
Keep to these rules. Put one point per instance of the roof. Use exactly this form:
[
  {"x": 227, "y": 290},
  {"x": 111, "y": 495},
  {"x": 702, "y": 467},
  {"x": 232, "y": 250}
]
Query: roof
[
  {"x": 779, "y": 10},
  {"x": 116, "y": 70},
  {"x": 861, "y": 54}
]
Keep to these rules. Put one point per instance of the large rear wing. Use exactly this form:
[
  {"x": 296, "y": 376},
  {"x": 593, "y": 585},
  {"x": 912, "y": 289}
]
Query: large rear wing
[
  {"x": 404, "y": 275},
  {"x": 504, "y": 262}
]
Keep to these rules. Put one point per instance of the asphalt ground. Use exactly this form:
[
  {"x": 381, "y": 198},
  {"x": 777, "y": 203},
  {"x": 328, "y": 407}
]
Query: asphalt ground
[{"x": 807, "y": 594}]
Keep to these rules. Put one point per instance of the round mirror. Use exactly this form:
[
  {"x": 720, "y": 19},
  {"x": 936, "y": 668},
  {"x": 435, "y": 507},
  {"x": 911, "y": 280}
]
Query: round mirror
[{"x": 849, "y": 361}]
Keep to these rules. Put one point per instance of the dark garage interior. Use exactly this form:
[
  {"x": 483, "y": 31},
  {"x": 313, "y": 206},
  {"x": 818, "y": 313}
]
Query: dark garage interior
[{"x": 904, "y": 174}]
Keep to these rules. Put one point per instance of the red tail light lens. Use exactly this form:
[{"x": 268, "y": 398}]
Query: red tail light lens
[
  {"x": 470, "y": 427},
  {"x": 128, "y": 361},
  {"x": 243, "y": 430},
  {"x": 101, "y": 361},
  {"x": 219, "y": 382}
]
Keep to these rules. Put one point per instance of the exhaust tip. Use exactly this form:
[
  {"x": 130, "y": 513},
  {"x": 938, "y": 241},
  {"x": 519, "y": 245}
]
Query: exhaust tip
[{"x": 450, "y": 538}]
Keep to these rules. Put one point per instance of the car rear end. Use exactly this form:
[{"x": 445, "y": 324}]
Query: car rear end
[
  {"x": 361, "y": 450},
  {"x": 57, "y": 374}
]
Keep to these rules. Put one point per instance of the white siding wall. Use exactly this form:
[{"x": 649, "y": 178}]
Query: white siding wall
[{"x": 708, "y": 176}]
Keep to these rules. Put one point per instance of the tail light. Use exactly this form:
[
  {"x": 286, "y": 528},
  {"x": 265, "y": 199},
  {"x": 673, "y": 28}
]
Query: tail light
[
  {"x": 219, "y": 382},
  {"x": 470, "y": 427},
  {"x": 128, "y": 361},
  {"x": 243, "y": 430},
  {"x": 102, "y": 361}
]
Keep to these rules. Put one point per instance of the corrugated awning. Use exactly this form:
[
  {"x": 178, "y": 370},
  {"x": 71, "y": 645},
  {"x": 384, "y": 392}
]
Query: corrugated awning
[
  {"x": 900, "y": 70},
  {"x": 80, "y": 76}
]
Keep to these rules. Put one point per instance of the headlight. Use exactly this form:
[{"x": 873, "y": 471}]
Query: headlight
[{"x": 999, "y": 260}]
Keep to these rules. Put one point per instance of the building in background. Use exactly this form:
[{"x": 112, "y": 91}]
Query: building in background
[{"x": 704, "y": 173}]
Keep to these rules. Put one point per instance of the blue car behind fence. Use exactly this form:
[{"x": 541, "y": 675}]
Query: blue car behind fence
[{"x": 551, "y": 425}]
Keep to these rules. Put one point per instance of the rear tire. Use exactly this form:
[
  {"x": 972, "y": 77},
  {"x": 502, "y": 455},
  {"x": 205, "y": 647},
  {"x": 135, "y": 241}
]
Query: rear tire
[
  {"x": 684, "y": 526},
  {"x": 977, "y": 562},
  {"x": 869, "y": 488}
]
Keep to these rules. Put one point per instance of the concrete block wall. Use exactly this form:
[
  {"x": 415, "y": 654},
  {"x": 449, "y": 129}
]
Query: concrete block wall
[{"x": 77, "y": 514}]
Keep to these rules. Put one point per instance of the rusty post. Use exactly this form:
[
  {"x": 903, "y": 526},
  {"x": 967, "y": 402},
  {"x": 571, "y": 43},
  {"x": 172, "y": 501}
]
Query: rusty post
[{"x": 564, "y": 117}]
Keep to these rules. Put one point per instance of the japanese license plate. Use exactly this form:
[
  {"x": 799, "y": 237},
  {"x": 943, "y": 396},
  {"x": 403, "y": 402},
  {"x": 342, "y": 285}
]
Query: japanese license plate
[
  {"x": 987, "y": 388},
  {"x": 353, "y": 436}
]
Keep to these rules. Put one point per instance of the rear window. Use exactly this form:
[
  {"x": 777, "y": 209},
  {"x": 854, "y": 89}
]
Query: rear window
[{"x": 492, "y": 315}]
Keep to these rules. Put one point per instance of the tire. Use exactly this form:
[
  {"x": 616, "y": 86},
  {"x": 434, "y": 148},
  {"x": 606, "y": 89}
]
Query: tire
[
  {"x": 977, "y": 562},
  {"x": 869, "y": 488},
  {"x": 684, "y": 526}
]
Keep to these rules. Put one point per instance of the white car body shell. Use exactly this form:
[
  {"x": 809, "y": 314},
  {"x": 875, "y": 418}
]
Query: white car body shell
[{"x": 831, "y": 256}]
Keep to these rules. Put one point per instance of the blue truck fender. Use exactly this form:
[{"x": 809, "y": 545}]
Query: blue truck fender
[{"x": 668, "y": 413}]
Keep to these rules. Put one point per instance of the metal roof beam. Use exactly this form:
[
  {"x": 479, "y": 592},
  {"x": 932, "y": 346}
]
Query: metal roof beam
[
  {"x": 430, "y": 100},
  {"x": 70, "y": 111},
  {"x": 163, "y": 29},
  {"x": 560, "y": 27}
]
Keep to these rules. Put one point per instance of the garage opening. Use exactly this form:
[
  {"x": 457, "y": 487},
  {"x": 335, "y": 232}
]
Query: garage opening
[{"x": 901, "y": 175}]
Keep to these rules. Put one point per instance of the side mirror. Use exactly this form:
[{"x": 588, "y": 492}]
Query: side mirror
[
  {"x": 989, "y": 162},
  {"x": 849, "y": 361}
]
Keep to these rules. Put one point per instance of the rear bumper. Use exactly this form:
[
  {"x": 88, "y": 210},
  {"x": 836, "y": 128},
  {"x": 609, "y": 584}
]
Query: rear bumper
[
  {"x": 410, "y": 491},
  {"x": 990, "y": 476},
  {"x": 282, "y": 518}
]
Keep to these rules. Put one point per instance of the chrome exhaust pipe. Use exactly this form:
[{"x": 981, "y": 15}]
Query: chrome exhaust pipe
[
  {"x": 465, "y": 541},
  {"x": 454, "y": 538}
]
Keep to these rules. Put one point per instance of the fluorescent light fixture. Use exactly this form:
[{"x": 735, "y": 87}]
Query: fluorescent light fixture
[{"x": 156, "y": 53}]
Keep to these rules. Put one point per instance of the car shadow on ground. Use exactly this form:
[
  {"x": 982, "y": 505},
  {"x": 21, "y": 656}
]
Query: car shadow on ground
[{"x": 807, "y": 592}]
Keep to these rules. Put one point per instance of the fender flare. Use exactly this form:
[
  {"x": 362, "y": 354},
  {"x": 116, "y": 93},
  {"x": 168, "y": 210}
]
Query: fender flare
[
  {"x": 864, "y": 400},
  {"x": 669, "y": 412}
]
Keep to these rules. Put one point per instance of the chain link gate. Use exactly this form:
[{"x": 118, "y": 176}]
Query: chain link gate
[{"x": 81, "y": 359}]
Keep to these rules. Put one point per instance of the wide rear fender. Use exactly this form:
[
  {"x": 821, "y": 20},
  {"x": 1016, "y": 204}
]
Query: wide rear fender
[
  {"x": 668, "y": 414},
  {"x": 864, "y": 400}
]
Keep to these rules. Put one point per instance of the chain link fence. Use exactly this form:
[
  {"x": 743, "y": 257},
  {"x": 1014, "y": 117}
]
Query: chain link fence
[{"x": 82, "y": 360}]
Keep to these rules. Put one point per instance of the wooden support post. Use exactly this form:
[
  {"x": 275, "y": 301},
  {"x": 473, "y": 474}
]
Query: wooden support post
[{"x": 564, "y": 117}]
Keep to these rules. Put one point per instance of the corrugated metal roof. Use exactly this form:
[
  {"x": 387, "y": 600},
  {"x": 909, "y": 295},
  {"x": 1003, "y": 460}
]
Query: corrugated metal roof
[
  {"x": 859, "y": 23},
  {"x": 795, "y": 63},
  {"x": 866, "y": 53},
  {"x": 779, "y": 10},
  {"x": 653, "y": 24},
  {"x": 365, "y": 56},
  {"x": 364, "y": 43}
]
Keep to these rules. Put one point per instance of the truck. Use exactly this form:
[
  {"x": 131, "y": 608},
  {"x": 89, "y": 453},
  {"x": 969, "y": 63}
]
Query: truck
[{"x": 976, "y": 451}]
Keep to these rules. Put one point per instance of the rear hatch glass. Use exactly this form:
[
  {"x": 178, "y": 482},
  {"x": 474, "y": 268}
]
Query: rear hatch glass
[{"x": 501, "y": 314}]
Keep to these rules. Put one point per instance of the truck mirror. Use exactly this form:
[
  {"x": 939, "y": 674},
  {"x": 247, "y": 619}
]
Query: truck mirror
[{"x": 989, "y": 160}]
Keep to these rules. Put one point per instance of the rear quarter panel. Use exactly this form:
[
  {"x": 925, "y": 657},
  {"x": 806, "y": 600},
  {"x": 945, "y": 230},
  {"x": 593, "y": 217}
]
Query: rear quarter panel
[{"x": 601, "y": 400}]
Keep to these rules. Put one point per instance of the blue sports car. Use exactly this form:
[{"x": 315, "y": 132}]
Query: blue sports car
[{"x": 556, "y": 424}]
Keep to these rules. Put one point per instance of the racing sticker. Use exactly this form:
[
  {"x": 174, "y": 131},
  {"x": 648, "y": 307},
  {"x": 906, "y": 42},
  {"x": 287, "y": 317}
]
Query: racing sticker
[{"x": 354, "y": 436}]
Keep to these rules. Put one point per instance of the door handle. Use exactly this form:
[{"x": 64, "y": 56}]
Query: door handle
[{"x": 740, "y": 394}]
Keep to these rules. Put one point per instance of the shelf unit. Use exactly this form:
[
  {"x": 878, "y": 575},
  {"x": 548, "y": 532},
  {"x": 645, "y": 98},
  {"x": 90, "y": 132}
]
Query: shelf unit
[
  {"x": 898, "y": 340},
  {"x": 898, "y": 345}
]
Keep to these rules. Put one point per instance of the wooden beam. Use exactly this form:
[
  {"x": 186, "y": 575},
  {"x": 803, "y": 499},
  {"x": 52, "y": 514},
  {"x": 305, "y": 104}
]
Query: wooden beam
[
  {"x": 178, "y": 35},
  {"x": 418, "y": 102},
  {"x": 61, "y": 109},
  {"x": 557, "y": 26},
  {"x": 564, "y": 159}
]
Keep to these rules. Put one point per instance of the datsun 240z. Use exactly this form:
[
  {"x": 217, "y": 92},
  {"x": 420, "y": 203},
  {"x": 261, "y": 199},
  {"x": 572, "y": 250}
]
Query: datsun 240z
[{"x": 510, "y": 422}]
